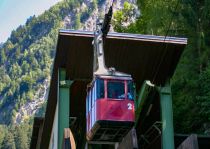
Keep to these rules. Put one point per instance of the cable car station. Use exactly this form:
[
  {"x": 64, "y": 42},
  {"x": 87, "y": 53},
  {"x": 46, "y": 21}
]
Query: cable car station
[
  {"x": 110, "y": 90},
  {"x": 150, "y": 60}
]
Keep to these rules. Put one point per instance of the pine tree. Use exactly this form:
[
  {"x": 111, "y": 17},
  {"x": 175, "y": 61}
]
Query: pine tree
[
  {"x": 8, "y": 142},
  {"x": 21, "y": 138}
]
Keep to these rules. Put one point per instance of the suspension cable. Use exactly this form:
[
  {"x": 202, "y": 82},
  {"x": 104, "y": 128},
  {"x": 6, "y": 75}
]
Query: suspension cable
[{"x": 164, "y": 41}]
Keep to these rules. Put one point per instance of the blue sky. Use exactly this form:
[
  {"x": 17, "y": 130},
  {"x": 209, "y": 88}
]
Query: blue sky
[{"x": 15, "y": 12}]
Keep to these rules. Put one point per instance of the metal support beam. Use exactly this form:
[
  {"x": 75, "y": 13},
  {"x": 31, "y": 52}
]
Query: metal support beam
[
  {"x": 167, "y": 116},
  {"x": 63, "y": 104},
  {"x": 143, "y": 93}
]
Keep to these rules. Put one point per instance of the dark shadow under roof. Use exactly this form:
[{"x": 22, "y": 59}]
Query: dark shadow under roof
[{"x": 145, "y": 57}]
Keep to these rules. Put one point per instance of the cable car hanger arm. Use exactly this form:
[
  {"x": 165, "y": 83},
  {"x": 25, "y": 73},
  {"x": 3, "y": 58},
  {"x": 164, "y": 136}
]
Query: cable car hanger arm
[{"x": 102, "y": 29}]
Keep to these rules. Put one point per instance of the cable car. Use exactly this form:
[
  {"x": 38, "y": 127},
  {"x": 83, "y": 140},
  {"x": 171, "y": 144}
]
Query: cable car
[{"x": 110, "y": 112}]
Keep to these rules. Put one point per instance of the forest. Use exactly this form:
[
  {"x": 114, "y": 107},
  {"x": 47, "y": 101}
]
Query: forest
[
  {"x": 191, "y": 82},
  {"x": 26, "y": 59}
]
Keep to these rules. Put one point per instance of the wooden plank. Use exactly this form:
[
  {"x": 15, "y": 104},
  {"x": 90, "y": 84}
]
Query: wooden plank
[
  {"x": 190, "y": 143},
  {"x": 68, "y": 140}
]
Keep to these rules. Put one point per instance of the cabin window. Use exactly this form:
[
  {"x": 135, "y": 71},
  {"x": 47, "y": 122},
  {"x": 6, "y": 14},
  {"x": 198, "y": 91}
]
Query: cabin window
[
  {"x": 130, "y": 94},
  {"x": 116, "y": 90},
  {"x": 100, "y": 88},
  {"x": 95, "y": 91},
  {"x": 89, "y": 101},
  {"x": 93, "y": 95}
]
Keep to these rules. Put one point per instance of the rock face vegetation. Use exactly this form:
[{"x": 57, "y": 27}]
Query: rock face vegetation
[{"x": 26, "y": 59}]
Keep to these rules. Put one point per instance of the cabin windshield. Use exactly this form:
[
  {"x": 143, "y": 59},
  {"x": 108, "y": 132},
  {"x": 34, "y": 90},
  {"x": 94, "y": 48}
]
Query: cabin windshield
[
  {"x": 115, "y": 90},
  {"x": 130, "y": 90}
]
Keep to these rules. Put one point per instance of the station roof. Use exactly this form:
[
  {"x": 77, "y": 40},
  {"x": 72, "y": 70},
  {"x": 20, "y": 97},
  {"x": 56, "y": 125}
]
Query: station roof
[{"x": 145, "y": 57}]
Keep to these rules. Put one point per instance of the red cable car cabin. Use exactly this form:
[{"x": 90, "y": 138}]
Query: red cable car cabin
[{"x": 110, "y": 110}]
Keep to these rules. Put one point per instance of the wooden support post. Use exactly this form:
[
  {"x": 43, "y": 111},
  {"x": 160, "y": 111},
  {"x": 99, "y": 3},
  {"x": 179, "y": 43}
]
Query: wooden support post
[
  {"x": 167, "y": 116},
  {"x": 68, "y": 139},
  {"x": 63, "y": 105}
]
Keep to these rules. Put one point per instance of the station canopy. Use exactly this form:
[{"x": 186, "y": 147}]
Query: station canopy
[{"x": 145, "y": 57}]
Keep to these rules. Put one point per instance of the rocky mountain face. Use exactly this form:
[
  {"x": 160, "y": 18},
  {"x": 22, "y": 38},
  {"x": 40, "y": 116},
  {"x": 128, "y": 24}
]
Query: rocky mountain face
[
  {"x": 89, "y": 23},
  {"x": 31, "y": 107},
  {"x": 32, "y": 47}
]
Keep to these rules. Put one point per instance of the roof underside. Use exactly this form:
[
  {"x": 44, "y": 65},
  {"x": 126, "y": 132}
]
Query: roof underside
[{"x": 145, "y": 57}]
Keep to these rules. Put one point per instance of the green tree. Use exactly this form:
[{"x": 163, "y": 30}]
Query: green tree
[
  {"x": 21, "y": 138},
  {"x": 192, "y": 75},
  {"x": 9, "y": 142},
  {"x": 2, "y": 56},
  {"x": 25, "y": 67},
  {"x": 95, "y": 4},
  {"x": 123, "y": 18},
  {"x": 77, "y": 21},
  {"x": 2, "y": 134}
]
